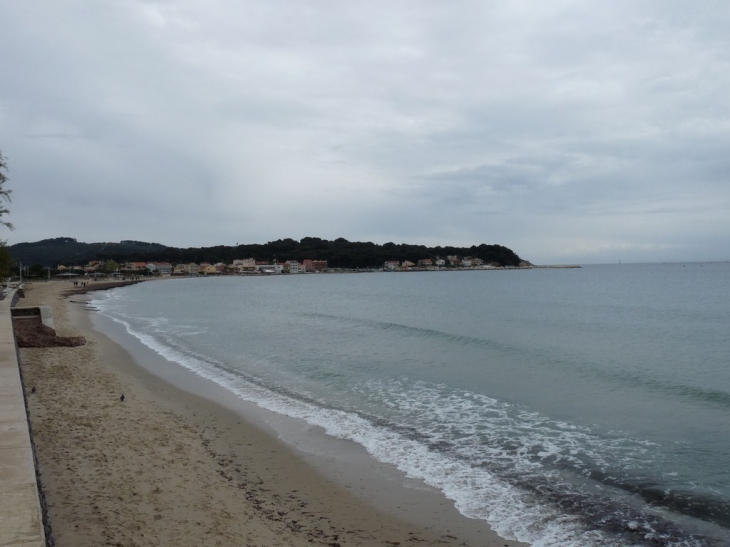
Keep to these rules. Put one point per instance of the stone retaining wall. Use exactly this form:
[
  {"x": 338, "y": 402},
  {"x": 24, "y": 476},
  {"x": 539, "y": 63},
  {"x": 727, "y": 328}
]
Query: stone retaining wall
[{"x": 22, "y": 518}]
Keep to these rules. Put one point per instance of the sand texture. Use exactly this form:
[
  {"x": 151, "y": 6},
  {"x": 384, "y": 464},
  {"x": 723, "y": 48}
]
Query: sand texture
[{"x": 165, "y": 467}]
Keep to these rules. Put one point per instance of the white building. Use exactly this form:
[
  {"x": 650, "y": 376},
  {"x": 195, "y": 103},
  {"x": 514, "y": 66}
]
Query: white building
[
  {"x": 160, "y": 268},
  {"x": 244, "y": 264}
]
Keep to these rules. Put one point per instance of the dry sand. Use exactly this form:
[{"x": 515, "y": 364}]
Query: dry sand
[{"x": 165, "y": 467}]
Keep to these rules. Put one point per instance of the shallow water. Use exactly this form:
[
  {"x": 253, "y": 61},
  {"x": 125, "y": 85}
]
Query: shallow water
[{"x": 565, "y": 407}]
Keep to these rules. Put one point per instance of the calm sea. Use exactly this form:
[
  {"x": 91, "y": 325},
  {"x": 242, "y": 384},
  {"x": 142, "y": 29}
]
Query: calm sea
[{"x": 577, "y": 407}]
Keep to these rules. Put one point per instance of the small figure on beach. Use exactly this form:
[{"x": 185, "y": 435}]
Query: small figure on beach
[
  {"x": 122, "y": 397},
  {"x": 32, "y": 390}
]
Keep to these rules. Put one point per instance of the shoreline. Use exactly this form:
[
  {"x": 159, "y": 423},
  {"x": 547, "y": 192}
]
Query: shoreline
[{"x": 171, "y": 466}]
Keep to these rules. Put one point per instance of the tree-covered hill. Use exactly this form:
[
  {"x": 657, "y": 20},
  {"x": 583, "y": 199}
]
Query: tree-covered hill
[
  {"x": 68, "y": 251},
  {"x": 339, "y": 253}
]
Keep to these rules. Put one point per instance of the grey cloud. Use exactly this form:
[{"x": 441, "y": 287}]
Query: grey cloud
[{"x": 563, "y": 128}]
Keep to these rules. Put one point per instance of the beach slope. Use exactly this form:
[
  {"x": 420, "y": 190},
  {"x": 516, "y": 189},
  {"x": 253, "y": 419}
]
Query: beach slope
[{"x": 166, "y": 467}]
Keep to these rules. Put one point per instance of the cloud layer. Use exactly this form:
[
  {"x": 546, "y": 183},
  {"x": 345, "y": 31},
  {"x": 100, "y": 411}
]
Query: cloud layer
[{"x": 569, "y": 131}]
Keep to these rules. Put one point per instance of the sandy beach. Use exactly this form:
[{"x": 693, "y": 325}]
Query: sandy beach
[{"x": 167, "y": 467}]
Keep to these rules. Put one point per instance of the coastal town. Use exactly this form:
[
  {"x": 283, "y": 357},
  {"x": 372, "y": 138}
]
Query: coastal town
[{"x": 251, "y": 266}]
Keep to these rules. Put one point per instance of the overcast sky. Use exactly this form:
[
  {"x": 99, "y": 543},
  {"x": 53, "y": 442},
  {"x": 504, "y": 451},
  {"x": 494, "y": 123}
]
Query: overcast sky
[{"x": 568, "y": 131}]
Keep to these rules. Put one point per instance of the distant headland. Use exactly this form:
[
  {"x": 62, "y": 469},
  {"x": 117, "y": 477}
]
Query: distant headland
[{"x": 338, "y": 254}]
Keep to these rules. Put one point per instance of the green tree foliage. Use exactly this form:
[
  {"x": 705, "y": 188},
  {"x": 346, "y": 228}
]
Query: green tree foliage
[
  {"x": 4, "y": 192},
  {"x": 6, "y": 261},
  {"x": 110, "y": 266},
  {"x": 339, "y": 253},
  {"x": 37, "y": 271}
]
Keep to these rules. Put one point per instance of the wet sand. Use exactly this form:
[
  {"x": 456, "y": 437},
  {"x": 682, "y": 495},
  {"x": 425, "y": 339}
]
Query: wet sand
[{"x": 168, "y": 467}]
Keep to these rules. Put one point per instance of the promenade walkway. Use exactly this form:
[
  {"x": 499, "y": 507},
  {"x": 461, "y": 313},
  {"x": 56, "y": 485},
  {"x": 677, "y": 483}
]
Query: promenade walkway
[{"x": 21, "y": 523}]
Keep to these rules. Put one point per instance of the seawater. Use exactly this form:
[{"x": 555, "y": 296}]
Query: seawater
[{"x": 572, "y": 407}]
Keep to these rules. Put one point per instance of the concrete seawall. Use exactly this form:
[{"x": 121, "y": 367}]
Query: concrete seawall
[{"x": 21, "y": 516}]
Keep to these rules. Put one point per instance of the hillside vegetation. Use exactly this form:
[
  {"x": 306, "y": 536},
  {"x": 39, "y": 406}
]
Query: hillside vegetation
[{"x": 339, "y": 253}]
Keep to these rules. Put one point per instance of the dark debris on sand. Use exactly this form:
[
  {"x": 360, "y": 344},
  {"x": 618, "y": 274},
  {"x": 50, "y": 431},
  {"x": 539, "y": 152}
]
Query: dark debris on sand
[{"x": 31, "y": 333}]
